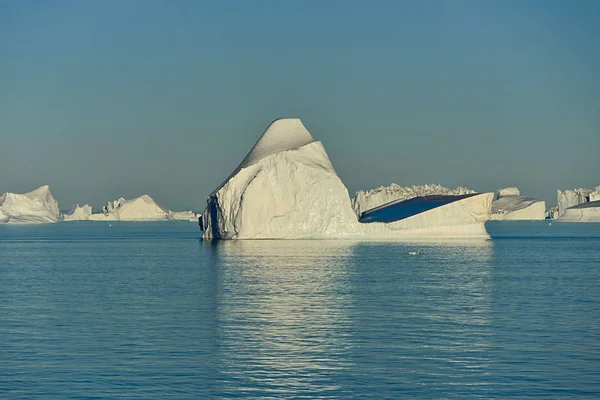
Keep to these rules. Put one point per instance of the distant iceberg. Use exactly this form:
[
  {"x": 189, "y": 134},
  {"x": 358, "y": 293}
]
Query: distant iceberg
[
  {"x": 78, "y": 213},
  {"x": 579, "y": 205},
  {"x": 573, "y": 197},
  {"x": 586, "y": 212},
  {"x": 35, "y": 207},
  {"x": 510, "y": 205},
  {"x": 508, "y": 191},
  {"x": 183, "y": 216},
  {"x": 552, "y": 212},
  {"x": 365, "y": 200},
  {"x": 287, "y": 188},
  {"x": 142, "y": 208}
]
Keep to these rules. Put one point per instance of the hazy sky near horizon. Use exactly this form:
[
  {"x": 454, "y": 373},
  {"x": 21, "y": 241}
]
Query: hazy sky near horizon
[{"x": 103, "y": 99}]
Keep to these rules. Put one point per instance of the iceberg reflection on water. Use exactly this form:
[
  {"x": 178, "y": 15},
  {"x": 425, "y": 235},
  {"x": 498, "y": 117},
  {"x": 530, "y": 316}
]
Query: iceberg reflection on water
[{"x": 302, "y": 316}]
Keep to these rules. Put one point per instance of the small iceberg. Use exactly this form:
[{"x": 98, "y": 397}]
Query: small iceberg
[
  {"x": 142, "y": 208},
  {"x": 510, "y": 205}
]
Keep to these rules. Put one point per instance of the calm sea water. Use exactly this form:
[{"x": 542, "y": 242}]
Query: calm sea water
[{"x": 149, "y": 311}]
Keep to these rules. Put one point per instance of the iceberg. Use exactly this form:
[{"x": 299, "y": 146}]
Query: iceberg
[
  {"x": 35, "y": 207},
  {"x": 586, "y": 212},
  {"x": 552, "y": 212},
  {"x": 508, "y": 191},
  {"x": 595, "y": 194},
  {"x": 367, "y": 200},
  {"x": 142, "y": 208},
  {"x": 183, "y": 216},
  {"x": 286, "y": 188},
  {"x": 510, "y": 205},
  {"x": 574, "y": 197},
  {"x": 78, "y": 213}
]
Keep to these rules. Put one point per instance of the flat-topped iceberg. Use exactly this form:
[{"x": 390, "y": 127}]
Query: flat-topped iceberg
[
  {"x": 287, "y": 188},
  {"x": 574, "y": 197},
  {"x": 586, "y": 212},
  {"x": 78, "y": 213},
  {"x": 508, "y": 191},
  {"x": 510, "y": 205},
  {"x": 35, "y": 207},
  {"x": 142, "y": 208},
  {"x": 365, "y": 200}
]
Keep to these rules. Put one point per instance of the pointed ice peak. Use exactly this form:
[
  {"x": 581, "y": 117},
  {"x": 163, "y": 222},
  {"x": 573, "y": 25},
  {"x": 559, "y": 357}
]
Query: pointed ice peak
[
  {"x": 38, "y": 193},
  {"x": 282, "y": 135}
]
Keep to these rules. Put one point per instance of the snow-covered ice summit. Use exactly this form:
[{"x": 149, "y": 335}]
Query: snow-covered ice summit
[
  {"x": 287, "y": 188},
  {"x": 35, "y": 207}
]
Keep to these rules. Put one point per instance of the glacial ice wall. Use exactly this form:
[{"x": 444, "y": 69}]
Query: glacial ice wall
[{"x": 35, "y": 207}]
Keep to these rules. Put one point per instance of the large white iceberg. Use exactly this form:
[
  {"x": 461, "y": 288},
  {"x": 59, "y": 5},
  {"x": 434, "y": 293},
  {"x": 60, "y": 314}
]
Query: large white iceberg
[
  {"x": 142, "y": 208},
  {"x": 574, "y": 197},
  {"x": 287, "y": 188},
  {"x": 586, "y": 212},
  {"x": 365, "y": 200},
  {"x": 78, "y": 213},
  {"x": 35, "y": 207},
  {"x": 510, "y": 205}
]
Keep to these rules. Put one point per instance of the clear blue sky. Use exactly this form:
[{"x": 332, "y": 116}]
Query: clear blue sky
[{"x": 102, "y": 99}]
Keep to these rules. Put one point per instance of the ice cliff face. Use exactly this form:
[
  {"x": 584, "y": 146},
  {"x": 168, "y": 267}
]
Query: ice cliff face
[
  {"x": 510, "y": 205},
  {"x": 287, "y": 188},
  {"x": 574, "y": 197},
  {"x": 35, "y": 207},
  {"x": 78, "y": 213},
  {"x": 142, "y": 208},
  {"x": 367, "y": 200}
]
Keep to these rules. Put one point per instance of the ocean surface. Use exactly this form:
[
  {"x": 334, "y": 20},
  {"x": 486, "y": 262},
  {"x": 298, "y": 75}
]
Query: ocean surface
[{"x": 150, "y": 311}]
